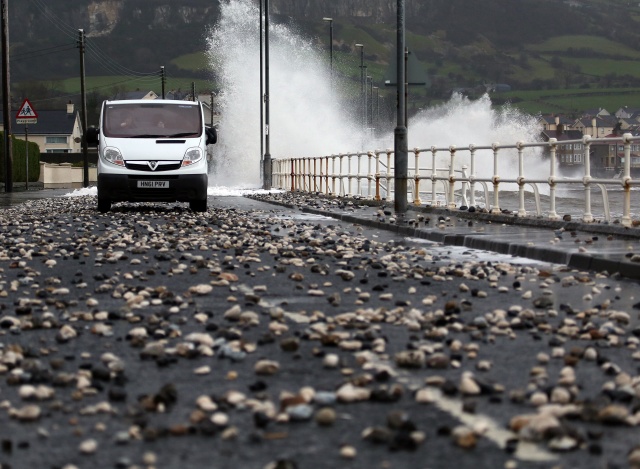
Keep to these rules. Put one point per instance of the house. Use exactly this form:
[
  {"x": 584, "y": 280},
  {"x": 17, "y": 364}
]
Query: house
[
  {"x": 57, "y": 131},
  {"x": 626, "y": 112},
  {"x": 551, "y": 122},
  {"x": 607, "y": 159},
  {"x": 567, "y": 154},
  {"x": 595, "y": 126},
  {"x": 597, "y": 112}
]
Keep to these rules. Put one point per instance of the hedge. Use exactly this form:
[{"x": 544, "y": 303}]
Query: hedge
[{"x": 19, "y": 157}]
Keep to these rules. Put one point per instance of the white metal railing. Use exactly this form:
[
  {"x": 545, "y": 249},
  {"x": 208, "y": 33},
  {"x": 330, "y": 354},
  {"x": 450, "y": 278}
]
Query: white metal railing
[{"x": 370, "y": 174}]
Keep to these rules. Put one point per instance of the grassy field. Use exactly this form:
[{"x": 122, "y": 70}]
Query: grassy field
[{"x": 597, "y": 44}]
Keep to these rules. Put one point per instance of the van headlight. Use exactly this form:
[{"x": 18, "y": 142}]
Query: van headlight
[
  {"x": 113, "y": 156},
  {"x": 191, "y": 156}
]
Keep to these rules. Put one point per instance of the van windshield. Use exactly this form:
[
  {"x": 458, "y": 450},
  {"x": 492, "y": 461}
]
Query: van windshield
[{"x": 142, "y": 120}]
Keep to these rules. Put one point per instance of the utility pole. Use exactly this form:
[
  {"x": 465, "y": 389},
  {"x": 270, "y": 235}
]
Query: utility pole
[
  {"x": 267, "y": 154},
  {"x": 6, "y": 87},
  {"x": 193, "y": 90},
  {"x": 162, "y": 80},
  {"x": 83, "y": 116},
  {"x": 400, "y": 153},
  {"x": 261, "y": 93}
]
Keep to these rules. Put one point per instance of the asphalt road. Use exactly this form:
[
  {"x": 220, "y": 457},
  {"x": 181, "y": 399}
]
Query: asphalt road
[{"x": 153, "y": 336}]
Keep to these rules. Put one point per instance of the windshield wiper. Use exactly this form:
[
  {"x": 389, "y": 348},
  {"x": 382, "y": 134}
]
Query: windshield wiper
[
  {"x": 181, "y": 134},
  {"x": 147, "y": 136}
]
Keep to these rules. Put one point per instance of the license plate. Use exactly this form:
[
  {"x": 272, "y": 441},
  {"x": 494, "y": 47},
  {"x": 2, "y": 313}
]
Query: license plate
[{"x": 153, "y": 184}]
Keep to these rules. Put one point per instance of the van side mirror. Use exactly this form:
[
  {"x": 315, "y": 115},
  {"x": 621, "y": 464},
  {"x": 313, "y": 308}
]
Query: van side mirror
[
  {"x": 212, "y": 135},
  {"x": 91, "y": 135}
]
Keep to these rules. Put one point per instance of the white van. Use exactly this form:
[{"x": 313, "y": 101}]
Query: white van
[{"x": 152, "y": 151}]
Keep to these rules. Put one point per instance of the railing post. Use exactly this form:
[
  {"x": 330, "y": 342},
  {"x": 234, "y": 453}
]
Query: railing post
[
  {"x": 434, "y": 174},
  {"x": 496, "y": 179},
  {"x": 521, "y": 181},
  {"x": 333, "y": 174},
  {"x": 293, "y": 175},
  {"x": 452, "y": 177},
  {"x": 463, "y": 189},
  {"x": 389, "y": 176},
  {"x": 349, "y": 175},
  {"x": 341, "y": 175},
  {"x": 587, "y": 217},
  {"x": 315, "y": 175},
  {"x": 472, "y": 177},
  {"x": 416, "y": 178},
  {"x": 327, "y": 191},
  {"x": 359, "y": 186},
  {"x": 369, "y": 175},
  {"x": 378, "y": 176},
  {"x": 626, "y": 179},
  {"x": 552, "y": 179}
]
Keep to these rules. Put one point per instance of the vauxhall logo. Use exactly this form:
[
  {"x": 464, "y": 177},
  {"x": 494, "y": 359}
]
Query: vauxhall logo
[{"x": 153, "y": 165}]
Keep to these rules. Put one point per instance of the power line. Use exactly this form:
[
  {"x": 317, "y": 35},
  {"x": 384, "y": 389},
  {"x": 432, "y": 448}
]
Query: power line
[
  {"x": 36, "y": 54},
  {"x": 59, "y": 46}
]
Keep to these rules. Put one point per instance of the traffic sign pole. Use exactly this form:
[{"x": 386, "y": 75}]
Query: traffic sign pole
[
  {"x": 26, "y": 115},
  {"x": 26, "y": 140}
]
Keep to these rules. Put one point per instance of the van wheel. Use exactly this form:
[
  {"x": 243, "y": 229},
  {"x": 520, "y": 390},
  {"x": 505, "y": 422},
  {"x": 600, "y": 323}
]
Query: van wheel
[
  {"x": 198, "y": 205},
  {"x": 104, "y": 205}
]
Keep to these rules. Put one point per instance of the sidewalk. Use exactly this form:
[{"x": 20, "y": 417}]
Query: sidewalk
[{"x": 585, "y": 246}]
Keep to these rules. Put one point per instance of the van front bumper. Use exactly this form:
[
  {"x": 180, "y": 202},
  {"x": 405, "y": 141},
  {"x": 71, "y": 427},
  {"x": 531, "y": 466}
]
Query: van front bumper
[{"x": 126, "y": 188}]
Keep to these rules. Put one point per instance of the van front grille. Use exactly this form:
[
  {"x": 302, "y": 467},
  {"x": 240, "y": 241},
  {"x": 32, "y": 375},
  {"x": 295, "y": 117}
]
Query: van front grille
[{"x": 145, "y": 166}]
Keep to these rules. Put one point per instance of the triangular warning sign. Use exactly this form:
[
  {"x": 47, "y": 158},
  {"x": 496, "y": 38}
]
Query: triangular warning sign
[{"x": 26, "y": 111}]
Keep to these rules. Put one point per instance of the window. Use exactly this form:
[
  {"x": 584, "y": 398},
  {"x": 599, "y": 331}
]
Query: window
[
  {"x": 58, "y": 151},
  {"x": 577, "y": 158},
  {"x": 578, "y": 146},
  {"x": 56, "y": 140}
]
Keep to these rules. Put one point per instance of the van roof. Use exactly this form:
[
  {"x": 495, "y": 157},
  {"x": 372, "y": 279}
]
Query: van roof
[{"x": 152, "y": 101}]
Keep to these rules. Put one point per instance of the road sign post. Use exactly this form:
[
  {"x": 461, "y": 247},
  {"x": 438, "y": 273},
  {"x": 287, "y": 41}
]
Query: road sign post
[
  {"x": 26, "y": 141},
  {"x": 26, "y": 115}
]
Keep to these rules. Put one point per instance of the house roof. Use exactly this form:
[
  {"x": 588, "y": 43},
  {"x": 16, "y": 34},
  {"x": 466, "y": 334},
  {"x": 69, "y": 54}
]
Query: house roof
[
  {"x": 565, "y": 135},
  {"x": 551, "y": 119},
  {"x": 134, "y": 95},
  {"x": 50, "y": 122},
  {"x": 601, "y": 121},
  {"x": 597, "y": 112}
]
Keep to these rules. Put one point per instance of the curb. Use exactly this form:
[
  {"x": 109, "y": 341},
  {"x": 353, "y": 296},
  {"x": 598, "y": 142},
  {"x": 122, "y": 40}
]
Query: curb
[{"x": 621, "y": 265}]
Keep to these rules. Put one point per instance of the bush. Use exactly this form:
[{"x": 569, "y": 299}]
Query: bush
[{"x": 19, "y": 160}]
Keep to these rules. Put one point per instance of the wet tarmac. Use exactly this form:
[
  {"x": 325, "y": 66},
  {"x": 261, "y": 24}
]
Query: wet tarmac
[{"x": 263, "y": 336}]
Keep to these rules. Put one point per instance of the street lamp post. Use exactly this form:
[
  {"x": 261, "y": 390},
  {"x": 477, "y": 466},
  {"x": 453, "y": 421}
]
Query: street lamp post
[
  {"x": 267, "y": 155},
  {"x": 377, "y": 113},
  {"x": 370, "y": 102},
  {"x": 365, "y": 99},
  {"x": 362, "y": 95},
  {"x": 401, "y": 154},
  {"x": 260, "y": 32},
  {"x": 330, "y": 20}
]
